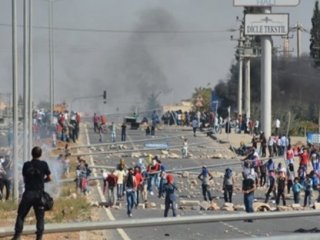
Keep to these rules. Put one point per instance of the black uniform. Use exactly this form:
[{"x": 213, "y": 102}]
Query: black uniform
[{"x": 34, "y": 173}]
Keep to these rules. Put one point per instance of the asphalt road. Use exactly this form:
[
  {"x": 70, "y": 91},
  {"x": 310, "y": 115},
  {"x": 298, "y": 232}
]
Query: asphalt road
[{"x": 230, "y": 230}]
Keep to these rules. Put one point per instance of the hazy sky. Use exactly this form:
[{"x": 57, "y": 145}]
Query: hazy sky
[{"x": 189, "y": 46}]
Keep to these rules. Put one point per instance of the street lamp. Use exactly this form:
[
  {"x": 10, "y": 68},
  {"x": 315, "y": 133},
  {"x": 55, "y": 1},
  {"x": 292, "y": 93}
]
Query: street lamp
[{"x": 51, "y": 57}]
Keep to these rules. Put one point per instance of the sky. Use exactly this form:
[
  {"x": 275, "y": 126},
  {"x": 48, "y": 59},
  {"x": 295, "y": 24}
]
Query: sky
[{"x": 131, "y": 48}]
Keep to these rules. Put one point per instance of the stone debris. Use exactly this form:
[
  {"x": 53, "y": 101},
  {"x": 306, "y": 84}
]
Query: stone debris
[
  {"x": 316, "y": 206},
  {"x": 165, "y": 152},
  {"x": 214, "y": 206},
  {"x": 239, "y": 207},
  {"x": 217, "y": 156},
  {"x": 150, "y": 205},
  {"x": 185, "y": 174},
  {"x": 173, "y": 156},
  {"x": 261, "y": 207},
  {"x": 204, "y": 205},
  {"x": 188, "y": 204},
  {"x": 136, "y": 155},
  {"x": 284, "y": 208},
  {"x": 141, "y": 206},
  {"x": 228, "y": 207},
  {"x": 297, "y": 206}
]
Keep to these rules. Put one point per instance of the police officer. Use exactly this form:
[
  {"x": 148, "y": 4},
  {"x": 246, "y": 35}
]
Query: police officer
[{"x": 35, "y": 174}]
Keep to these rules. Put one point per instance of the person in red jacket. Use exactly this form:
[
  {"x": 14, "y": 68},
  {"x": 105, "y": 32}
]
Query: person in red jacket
[
  {"x": 304, "y": 158},
  {"x": 139, "y": 182},
  {"x": 153, "y": 170},
  {"x": 110, "y": 184}
]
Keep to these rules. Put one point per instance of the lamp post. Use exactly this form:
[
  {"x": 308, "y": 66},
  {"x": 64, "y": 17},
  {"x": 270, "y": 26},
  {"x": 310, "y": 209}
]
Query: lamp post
[
  {"x": 51, "y": 57},
  {"x": 15, "y": 100}
]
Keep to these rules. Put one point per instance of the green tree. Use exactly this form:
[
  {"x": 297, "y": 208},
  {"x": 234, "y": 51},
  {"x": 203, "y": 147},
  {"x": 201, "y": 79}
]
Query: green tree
[
  {"x": 152, "y": 103},
  {"x": 315, "y": 35},
  {"x": 202, "y": 95}
]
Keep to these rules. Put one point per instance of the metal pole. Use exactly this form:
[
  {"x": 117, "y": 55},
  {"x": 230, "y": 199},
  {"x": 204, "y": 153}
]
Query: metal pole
[
  {"x": 30, "y": 142},
  {"x": 50, "y": 60},
  {"x": 266, "y": 81},
  {"x": 240, "y": 86},
  {"x": 15, "y": 101},
  {"x": 247, "y": 83},
  {"x": 158, "y": 222},
  {"x": 298, "y": 39},
  {"x": 240, "y": 72},
  {"x": 25, "y": 78}
]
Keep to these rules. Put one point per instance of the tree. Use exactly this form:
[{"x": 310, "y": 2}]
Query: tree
[
  {"x": 315, "y": 35},
  {"x": 152, "y": 103},
  {"x": 201, "y": 99}
]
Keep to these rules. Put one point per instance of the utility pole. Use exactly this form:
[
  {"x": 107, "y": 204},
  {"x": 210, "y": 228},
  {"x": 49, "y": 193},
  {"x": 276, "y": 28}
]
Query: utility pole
[
  {"x": 240, "y": 72},
  {"x": 25, "y": 78},
  {"x": 15, "y": 100},
  {"x": 247, "y": 89},
  {"x": 30, "y": 142},
  {"x": 299, "y": 28},
  {"x": 51, "y": 58},
  {"x": 266, "y": 81}
]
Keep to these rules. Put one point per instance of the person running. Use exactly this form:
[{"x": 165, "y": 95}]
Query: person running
[
  {"x": 271, "y": 176},
  {"x": 205, "y": 176},
  {"x": 228, "y": 183},
  {"x": 35, "y": 173},
  {"x": 170, "y": 197},
  {"x": 131, "y": 187}
]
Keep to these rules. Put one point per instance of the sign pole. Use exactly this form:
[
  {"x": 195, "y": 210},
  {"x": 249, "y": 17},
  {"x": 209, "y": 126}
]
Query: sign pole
[{"x": 266, "y": 81}]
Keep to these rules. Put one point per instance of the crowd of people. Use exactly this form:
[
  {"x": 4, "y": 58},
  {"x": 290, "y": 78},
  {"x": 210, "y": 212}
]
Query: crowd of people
[{"x": 138, "y": 182}]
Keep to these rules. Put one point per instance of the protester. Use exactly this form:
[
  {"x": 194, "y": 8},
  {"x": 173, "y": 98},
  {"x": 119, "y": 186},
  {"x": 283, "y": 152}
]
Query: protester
[
  {"x": 139, "y": 182},
  {"x": 307, "y": 191},
  {"x": 281, "y": 184},
  {"x": 5, "y": 177},
  {"x": 271, "y": 176},
  {"x": 35, "y": 174},
  {"x": 170, "y": 197},
  {"x": 296, "y": 189},
  {"x": 248, "y": 188},
  {"x": 110, "y": 185},
  {"x": 184, "y": 149},
  {"x": 205, "y": 176},
  {"x": 194, "y": 126},
  {"x": 123, "y": 132},
  {"x": 131, "y": 186},
  {"x": 228, "y": 183}
]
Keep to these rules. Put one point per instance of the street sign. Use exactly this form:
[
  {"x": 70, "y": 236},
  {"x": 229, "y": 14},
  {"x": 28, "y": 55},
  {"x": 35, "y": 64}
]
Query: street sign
[
  {"x": 267, "y": 24},
  {"x": 266, "y": 3}
]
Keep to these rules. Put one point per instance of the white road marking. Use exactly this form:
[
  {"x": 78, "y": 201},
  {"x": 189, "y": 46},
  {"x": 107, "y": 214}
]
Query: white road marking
[{"x": 121, "y": 232}]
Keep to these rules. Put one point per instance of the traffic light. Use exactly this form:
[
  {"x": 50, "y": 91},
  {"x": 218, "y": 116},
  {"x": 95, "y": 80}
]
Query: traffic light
[{"x": 104, "y": 96}]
